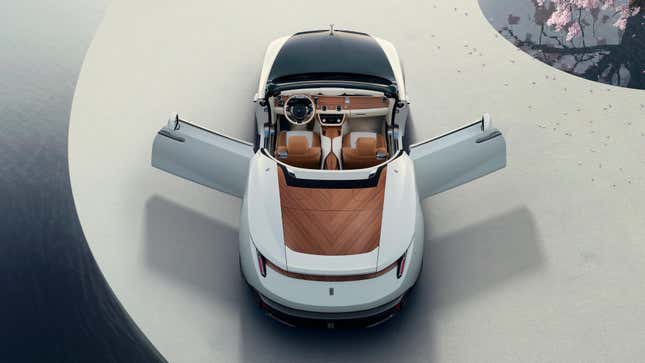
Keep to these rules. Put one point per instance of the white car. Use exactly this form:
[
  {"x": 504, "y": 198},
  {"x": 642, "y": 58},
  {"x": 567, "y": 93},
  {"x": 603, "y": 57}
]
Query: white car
[{"x": 331, "y": 231}]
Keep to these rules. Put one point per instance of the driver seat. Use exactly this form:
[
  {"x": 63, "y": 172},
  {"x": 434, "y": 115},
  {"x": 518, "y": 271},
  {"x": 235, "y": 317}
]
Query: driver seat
[{"x": 299, "y": 148}]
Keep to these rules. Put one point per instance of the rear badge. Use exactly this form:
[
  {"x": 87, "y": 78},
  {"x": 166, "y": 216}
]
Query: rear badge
[{"x": 331, "y": 291}]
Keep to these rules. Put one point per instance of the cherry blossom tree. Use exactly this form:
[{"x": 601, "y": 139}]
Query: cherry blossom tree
[
  {"x": 592, "y": 51},
  {"x": 562, "y": 17}
]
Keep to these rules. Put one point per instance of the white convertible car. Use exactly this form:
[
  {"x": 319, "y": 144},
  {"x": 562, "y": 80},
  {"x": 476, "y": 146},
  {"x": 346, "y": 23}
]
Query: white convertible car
[{"x": 331, "y": 231}]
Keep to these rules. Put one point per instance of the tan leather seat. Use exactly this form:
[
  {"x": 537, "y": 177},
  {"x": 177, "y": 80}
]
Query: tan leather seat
[
  {"x": 299, "y": 148},
  {"x": 363, "y": 149}
]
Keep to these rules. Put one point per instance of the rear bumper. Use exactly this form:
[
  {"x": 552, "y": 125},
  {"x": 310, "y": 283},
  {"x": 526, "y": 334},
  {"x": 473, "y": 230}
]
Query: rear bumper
[
  {"x": 356, "y": 319},
  {"x": 313, "y": 299}
]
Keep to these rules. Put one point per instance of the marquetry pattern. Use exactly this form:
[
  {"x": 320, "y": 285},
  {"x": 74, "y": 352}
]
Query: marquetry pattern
[
  {"x": 328, "y": 277},
  {"x": 355, "y": 102},
  {"x": 331, "y": 222},
  {"x": 365, "y": 102}
]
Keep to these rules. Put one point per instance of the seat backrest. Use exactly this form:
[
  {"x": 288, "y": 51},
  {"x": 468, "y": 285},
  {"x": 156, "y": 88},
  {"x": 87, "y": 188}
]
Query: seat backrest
[
  {"x": 299, "y": 148},
  {"x": 363, "y": 149},
  {"x": 297, "y": 145},
  {"x": 309, "y": 135}
]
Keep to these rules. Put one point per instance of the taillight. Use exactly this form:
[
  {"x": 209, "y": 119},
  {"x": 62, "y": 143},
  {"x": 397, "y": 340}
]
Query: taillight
[
  {"x": 400, "y": 267},
  {"x": 262, "y": 264}
]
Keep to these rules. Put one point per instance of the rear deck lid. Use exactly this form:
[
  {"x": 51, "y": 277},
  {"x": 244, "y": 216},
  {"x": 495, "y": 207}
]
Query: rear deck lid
[{"x": 332, "y": 230}]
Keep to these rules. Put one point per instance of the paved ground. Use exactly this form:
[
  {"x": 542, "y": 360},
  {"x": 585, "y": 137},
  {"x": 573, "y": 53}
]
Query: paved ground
[{"x": 540, "y": 262}]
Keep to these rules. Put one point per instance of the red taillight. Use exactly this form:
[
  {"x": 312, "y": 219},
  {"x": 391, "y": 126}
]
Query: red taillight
[
  {"x": 262, "y": 264},
  {"x": 400, "y": 267}
]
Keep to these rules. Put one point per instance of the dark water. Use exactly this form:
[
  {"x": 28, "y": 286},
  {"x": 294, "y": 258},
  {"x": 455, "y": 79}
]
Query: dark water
[
  {"x": 602, "y": 53},
  {"x": 55, "y": 305}
]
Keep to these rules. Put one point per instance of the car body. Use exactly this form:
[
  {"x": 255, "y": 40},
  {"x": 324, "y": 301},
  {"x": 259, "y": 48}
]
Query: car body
[{"x": 331, "y": 227}]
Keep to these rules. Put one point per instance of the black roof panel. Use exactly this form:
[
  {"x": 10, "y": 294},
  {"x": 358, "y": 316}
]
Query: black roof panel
[{"x": 345, "y": 55}]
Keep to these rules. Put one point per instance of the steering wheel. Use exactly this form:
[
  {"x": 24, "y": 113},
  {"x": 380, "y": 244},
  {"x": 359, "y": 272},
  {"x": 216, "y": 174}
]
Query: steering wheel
[{"x": 299, "y": 109}]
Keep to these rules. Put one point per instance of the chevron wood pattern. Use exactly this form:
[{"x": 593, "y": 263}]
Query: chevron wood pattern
[{"x": 331, "y": 222}]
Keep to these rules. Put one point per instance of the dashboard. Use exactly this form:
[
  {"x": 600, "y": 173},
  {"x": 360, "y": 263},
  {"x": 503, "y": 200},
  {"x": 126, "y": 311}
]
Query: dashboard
[{"x": 330, "y": 110}]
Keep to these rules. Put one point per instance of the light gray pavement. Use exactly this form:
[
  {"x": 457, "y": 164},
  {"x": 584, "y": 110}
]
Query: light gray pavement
[{"x": 544, "y": 261}]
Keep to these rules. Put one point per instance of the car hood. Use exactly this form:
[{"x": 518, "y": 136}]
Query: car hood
[{"x": 321, "y": 53}]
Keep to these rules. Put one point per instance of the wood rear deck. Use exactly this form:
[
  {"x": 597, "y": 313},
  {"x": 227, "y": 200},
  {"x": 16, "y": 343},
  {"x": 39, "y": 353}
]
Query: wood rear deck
[{"x": 331, "y": 222}]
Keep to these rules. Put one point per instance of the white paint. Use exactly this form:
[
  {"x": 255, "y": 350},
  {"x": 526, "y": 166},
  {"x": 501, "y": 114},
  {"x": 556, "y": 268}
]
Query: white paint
[
  {"x": 457, "y": 158},
  {"x": 269, "y": 57},
  {"x": 337, "y": 149},
  {"x": 393, "y": 57},
  {"x": 264, "y": 213},
  {"x": 305, "y": 263},
  {"x": 349, "y": 296},
  {"x": 400, "y": 212}
]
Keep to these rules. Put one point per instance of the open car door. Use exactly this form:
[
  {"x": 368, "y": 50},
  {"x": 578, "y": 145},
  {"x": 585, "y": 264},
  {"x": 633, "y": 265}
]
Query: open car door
[
  {"x": 205, "y": 157},
  {"x": 458, "y": 157}
]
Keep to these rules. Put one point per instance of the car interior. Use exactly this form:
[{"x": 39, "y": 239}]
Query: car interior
[{"x": 331, "y": 129}]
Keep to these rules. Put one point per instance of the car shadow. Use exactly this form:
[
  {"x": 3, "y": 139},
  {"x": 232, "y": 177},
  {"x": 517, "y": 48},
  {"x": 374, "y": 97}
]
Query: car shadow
[
  {"x": 194, "y": 250},
  {"x": 477, "y": 258},
  {"x": 202, "y": 254},
  {"x": 457, "y": 266}
]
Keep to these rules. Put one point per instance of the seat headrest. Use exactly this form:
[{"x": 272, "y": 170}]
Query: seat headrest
[
  {"x": 366, "y": 146},
  {"x": 308, "y": 134},
  {"x": 297, "y": 145},
  {"x": 355, "y": 135}
]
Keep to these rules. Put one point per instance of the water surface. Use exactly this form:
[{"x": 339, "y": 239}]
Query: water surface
[
  {"x": 602, "y": 53},
  {"x": 55, "y": 304}
]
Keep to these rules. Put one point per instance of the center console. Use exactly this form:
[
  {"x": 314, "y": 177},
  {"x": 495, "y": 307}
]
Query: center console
[{"x": 331, "y": 119}]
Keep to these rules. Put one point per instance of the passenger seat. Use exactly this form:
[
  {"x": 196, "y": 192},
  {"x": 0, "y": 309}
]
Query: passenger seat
[
  {"x": 363, "y": 150},
  {"x": 299, "y": 148}
]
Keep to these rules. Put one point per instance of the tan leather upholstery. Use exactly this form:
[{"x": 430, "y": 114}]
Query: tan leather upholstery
[
  {"x": 366, "y": 146},
  {"x": 364, "y": 154},
  {"x": 297, "y": 145},
  {"x": 331, "y": 162},
  {"x": 295, "y": 150}
]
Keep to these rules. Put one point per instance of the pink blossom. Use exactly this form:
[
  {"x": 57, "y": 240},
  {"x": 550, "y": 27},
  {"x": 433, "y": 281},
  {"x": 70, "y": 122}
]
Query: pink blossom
[
  {"x": 561, "y": 17},
  {"x": 621, "y": 23},
  {"x": 574, "y": 31}
]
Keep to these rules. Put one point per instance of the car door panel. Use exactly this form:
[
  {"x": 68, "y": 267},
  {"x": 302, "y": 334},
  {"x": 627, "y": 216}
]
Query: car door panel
[
  {"x": 458, "y": 157},
  {"x": 202, "y": 156}
]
